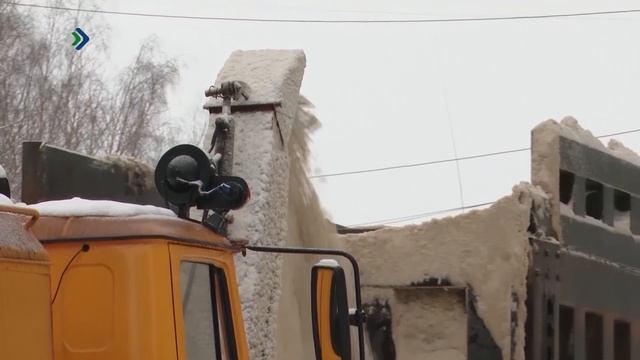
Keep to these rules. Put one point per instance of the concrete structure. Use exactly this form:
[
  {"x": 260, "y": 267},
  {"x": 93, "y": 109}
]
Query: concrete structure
[
  {"x": 587, "y": 288},
  {"x": 457, "y": 284},
  {"x": 550, "y": 272}
]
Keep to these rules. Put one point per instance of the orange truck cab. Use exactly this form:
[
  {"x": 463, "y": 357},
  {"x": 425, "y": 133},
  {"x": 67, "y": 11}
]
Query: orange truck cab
[
  {"x": 141, "y": 287},
  {"x": 25, "y": 314},
  {"x": 136, "y": 287}
]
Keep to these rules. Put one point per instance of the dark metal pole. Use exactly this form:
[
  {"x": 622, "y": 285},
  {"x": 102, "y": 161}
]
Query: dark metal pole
[{"x": 356, "y": 277}]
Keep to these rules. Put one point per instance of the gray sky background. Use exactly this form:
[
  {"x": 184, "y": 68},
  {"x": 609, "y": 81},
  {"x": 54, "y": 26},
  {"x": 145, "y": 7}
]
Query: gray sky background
[{"x": 391, "y": 94}]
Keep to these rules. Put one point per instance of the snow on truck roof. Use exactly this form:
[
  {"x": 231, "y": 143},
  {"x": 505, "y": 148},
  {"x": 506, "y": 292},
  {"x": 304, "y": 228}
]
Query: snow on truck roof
[
  {"x": 5, "y": 200},
  {"x": 81, "y": 219},
  {"x": 77, "y": 207}
]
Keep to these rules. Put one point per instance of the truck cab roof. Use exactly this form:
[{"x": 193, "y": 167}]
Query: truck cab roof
[{"x": 81, "y": 220}]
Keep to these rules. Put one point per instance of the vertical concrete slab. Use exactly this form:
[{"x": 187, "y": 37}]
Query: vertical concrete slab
[
  {"x": 260, "y": 158},
  {"x": 635, "y": 345},
  {"x": 545, "y": 169},
  {"x": 608, "y": 206},
  {"x": 578, "y": 197},
  {"x": 579, "y": 333},
  {"x": 440, "y": 316},
  {"x": 635, "y": 215},
  {"x": 608, "y": 340}
]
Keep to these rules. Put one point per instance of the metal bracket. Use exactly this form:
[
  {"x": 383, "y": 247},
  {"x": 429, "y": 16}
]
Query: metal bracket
[
  {"x": 222, "y": 140},
  {"x": 252, "y": 107},
  {"x": 229, "y": 90},
  {"x": 247, "y": 107}
]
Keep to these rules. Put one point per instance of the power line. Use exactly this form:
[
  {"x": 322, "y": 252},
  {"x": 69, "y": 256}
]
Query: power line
[
  {"x": 330, "y": 21},
  {"x": 451, "y": 132},
  {"x": 447, "y": 160},
  {"x": 418, "y": 216},
  {"x": 431, "y": 213}
]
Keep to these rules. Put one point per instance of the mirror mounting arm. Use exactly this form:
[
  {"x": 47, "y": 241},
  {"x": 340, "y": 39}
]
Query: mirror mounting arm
[{"x": 357, "y": 317}]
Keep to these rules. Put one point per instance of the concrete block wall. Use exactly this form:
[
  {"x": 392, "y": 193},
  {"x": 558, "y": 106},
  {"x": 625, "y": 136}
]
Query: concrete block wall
[
  {"x": 615, "y": 174},
  {"x": 600, "y": 201}
]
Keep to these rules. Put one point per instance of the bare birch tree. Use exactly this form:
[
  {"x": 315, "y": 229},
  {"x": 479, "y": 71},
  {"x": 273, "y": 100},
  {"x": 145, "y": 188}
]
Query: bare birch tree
[{"x": 53, "y": 93}]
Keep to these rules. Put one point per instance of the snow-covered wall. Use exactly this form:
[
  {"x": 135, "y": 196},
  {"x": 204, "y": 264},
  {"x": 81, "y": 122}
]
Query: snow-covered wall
[
  {"x": 261, "y": 159},
  {"x": 551, "y": 152},
  {"x": 270, "y": 152},
  {"x": 486, "y": 251}
]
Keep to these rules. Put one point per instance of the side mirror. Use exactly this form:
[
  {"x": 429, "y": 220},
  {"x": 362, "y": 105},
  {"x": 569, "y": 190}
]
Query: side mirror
[
  {"x": 4, "y": 183},
  {"x": 330, "y": 312}
]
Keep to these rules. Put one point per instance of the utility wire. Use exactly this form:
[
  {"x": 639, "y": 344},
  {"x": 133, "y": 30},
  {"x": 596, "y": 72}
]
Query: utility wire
[
  {"x": 462, "y": 208},
  {"x": 418, "y": 216},
  {"x": 447, "y": 160},
  {"x": 330, "y": 21},
  {"x": 445, "y": 99}
]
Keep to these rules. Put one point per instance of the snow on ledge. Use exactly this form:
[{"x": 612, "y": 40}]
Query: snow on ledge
[
  {"x": 77, "y": 207},
  {"x": 570, "y": 128},
  {"x": 5, "y": 200}
]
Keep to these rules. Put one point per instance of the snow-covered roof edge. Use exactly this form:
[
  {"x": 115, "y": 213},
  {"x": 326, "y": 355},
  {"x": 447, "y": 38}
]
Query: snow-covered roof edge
[{"x": 570, "y": 128}]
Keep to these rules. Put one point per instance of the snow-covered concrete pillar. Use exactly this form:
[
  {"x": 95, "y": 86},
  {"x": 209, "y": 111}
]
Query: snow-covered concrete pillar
[{"x": 263, "y": 125}]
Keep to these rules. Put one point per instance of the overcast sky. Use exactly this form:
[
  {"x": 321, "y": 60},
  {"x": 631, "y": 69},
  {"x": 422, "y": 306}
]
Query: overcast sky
[{"x": 392, "y": 94}]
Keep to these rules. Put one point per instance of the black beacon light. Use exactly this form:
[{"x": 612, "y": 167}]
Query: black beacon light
[{"x": 186, "y": 177}]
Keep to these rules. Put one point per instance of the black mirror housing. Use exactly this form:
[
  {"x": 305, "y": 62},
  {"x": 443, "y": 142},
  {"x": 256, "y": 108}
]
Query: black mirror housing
[{"x": 330, "y": 312}]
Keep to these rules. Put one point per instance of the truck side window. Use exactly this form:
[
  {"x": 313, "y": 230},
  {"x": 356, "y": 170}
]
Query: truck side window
[{"x": 205, "y": 305}]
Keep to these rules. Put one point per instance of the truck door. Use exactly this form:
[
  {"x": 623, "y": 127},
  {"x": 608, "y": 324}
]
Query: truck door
[{"x": 206, "y": 305}]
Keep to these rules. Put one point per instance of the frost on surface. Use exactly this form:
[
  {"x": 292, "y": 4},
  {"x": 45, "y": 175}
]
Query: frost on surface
[
  {"x": 272, "y": 76},
  {"x": 5, "y": 200},
  {"x": 618, "y": 149},
  {"x": 570, "y": 128},
  {"x": 261, "y": 157},
  {"x": 16, "y": 242},
  {"x": 485, "y": 250},
  {"x": 82, "y": 207},
  {"x": 545, "y": 159},
  {"x": 439, "y": 314},
  {"x": 139, "y": 174}
]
